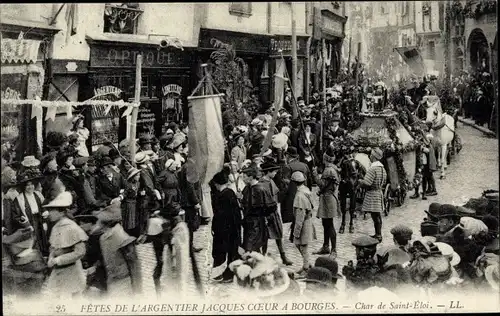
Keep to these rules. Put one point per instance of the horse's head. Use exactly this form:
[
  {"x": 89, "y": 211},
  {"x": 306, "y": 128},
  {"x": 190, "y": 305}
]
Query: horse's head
[{"x": 432, "y": 114}]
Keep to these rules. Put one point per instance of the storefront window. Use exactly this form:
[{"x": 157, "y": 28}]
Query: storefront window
[{"x": 121, "y": 18}]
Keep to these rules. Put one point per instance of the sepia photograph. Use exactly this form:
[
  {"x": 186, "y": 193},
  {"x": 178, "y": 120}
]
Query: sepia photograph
[{"x": 244, "y": 158}]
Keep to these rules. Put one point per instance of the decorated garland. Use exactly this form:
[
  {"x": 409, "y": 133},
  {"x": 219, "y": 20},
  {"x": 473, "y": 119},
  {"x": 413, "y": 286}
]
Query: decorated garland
[{"x": 399, "y": 150}]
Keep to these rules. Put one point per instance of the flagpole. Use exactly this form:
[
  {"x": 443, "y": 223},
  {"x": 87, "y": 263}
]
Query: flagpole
[
  {"x": 295, "y": 103},
  {"x": 135, "y": 110}
]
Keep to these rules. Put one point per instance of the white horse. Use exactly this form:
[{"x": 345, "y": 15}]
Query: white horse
[{"x": 443, "y": 130}]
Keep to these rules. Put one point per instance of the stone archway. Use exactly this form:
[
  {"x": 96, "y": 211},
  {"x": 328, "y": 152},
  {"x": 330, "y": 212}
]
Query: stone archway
[{"x": 478, "y": 49}]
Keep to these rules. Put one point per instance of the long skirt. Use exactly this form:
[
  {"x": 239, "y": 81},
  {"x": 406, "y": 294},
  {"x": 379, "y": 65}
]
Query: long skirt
[
  {"x": 275, "y": 225},
  {"x": 255, "y": 233}
]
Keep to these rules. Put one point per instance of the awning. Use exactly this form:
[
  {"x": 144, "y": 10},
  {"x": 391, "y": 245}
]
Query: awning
[
  {"x": 412, "y": 57},
  {"x": 19, "y": 50}
]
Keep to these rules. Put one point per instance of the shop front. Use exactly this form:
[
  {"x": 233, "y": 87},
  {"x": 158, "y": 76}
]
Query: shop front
[
  {"x": 166, "y": 75},
  {"x": 330, "y": 27},
  {"x": 252, "y": 48},
  {"x": 22, "y": 78},
  {"x": 281, "y": 46}
]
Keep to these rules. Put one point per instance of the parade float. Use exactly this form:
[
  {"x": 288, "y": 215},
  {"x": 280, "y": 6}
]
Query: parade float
[{"x": 384, "y": 130}]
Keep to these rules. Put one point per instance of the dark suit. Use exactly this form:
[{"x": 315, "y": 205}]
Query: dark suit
[
  {"x": 190, "y": 196},
  {"x": 294, "y": 137},
  {"x": 107, "y": 190},
  {"x": 304, "y": 147}
]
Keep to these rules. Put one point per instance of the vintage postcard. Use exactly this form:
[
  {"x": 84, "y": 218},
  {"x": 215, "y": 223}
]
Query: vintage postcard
[{"x": 249, "y": 157}]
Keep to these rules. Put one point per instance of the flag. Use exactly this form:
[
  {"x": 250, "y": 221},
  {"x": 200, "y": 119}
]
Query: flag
[
  {"x": 279, "y": 87},
  {"x": 71, "y": 12}
]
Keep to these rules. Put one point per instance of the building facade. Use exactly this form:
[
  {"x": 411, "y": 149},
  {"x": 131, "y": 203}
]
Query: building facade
[{"x": 26, "y": 38}]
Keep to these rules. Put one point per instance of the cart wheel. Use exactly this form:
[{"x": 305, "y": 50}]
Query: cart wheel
[
  {"x": 401, "y": 197},
  {"x": 387, "y": 199}
]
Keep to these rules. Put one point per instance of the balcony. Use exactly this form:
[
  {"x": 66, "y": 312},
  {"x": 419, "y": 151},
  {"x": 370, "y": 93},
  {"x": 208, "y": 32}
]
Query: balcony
[{"x": 121, "y": 18}]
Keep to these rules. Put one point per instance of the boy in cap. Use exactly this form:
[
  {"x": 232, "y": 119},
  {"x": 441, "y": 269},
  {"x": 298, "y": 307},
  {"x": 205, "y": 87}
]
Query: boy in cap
[
  {"x": 366, "y": 269},
  {"x": 67, "y": 247},
  {"x": 401, "y": 235},
  {"x": 303, "y": 231}
]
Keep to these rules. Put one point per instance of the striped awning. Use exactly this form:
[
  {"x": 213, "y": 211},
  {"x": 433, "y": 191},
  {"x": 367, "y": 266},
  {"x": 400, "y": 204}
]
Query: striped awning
[{"x": 19, "y": 50}]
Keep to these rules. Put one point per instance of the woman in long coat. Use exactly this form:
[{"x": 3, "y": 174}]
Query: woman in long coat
[
  {"x": 131, "y": 218},
  {"x": 239, "y": 152},
  {"x": 328, "y": 202},
  {"x": 28, "y": 207},
  {"x": 226, "y": 224},
  {"x": 374, "y": 182}
]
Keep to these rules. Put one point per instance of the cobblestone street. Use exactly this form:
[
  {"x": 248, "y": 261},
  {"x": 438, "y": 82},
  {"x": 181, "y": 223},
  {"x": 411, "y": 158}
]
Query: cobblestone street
[{"x": 475, "y": 169}]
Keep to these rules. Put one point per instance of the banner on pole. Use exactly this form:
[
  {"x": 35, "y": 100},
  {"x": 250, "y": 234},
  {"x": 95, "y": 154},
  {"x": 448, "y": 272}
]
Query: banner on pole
[{"x": 206, "y": 140}]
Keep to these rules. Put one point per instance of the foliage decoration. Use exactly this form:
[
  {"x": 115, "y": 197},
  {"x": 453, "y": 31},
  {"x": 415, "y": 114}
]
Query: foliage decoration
[{"x": 230, "y": 73}]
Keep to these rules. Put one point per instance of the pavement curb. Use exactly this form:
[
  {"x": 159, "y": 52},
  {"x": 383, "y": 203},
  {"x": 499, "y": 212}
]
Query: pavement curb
[{"x": 479, "y": 128}]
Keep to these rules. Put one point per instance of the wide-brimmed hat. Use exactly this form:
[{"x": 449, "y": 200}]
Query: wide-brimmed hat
[
  {"x": 279, "y": 141},
  {"x": 269, "y": 166},
  {"x": 447, "y": 251},
  {"x": 87, "y": 218},
  {"x": 177, "y": 140},
  {"x": 433, "y": 210},
  {"x": 395, "y": 256},
  {"x": 30, "y": 174},
  {"x": 110, "y": 213},
  {"x": 132, "y": 173},
  {"x": 252, "y": 170},
  {"x": 377, "y": 153},
  {"x": 472, "y": 226},
  {"x": 30, "y": 161},
  {"x": 141, "y": 158},
  {"x": 62, "y": 200},
  {"x": 329, "y": 263}
]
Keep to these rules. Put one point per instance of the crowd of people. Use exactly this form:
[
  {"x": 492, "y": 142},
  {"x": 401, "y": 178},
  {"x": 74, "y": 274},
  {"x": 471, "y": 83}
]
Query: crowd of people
[{"x": 78, "y": 218}]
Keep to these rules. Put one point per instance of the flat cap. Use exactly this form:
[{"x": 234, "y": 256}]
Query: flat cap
[
  {"x": 80, "y": 161},
  {"x": 402, "y": 231},
  {"x": 365, "y": 241},
  {"x": 298, "y": 176}
]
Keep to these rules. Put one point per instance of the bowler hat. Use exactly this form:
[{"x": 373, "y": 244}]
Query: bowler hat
[
  {"x": 319, "y": 275},
  {"x": 252, "y": 170},
  {"x": 433, "y": 210},
  {"x": 329, "y": 263},
  {"x": 221, "y": 177},
  {"x": 106, "y": 161},
  {"x": 447, "y": 210}
]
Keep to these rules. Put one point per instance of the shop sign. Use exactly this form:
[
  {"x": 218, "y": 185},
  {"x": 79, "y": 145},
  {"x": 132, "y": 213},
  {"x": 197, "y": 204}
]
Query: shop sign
[
  {"x": 172, "y": 98},
  {"x": 284, "y": 43},
  {"x": 126, "y": 57},
  {"x": 19, "y": 50},
  {"x": 107, "y": 90},
  {"x": 243, "y": 42},
  {"x": 11, "y": 94},
  {"x": 332, "y": 26}
]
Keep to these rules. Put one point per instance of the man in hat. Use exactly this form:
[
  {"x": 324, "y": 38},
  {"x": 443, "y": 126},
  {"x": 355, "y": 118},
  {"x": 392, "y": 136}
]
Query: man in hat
[
  {"x": 145, "y": 142},
  {"x": 362, "y": 274},
  {"x": 87, "y": 201},
  {"x": 307, "y": 145},
  {"x": 255, "y": 232},
  {"x": 149, "y": 188},
  {"x": 335, "y": 130},
  {"x": 116, "y": 158},
  {"x": 273, "y": 218},
  {"x": 374, "y": 182},
  {"x": 67, "y": 247},
  {"x": 110, "y": 184}
]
